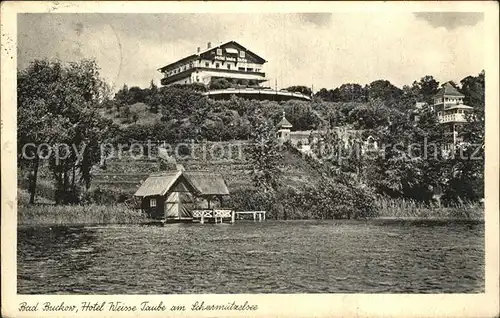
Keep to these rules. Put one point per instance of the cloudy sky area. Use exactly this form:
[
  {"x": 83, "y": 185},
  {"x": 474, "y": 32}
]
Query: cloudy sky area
[{"x": 324, "y": 50}]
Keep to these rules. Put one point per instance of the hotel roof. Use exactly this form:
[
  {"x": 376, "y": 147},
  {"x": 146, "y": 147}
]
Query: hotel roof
[{"x": 198, "y": 54}]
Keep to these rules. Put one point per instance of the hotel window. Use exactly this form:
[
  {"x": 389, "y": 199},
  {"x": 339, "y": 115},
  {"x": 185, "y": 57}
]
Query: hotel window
[
  {"x": 242, "y": 54},
  {"x": 229, "y": 66},
  {"x": 206, "y": 64},
  {"x": 250, "y": 69},
  {"x": 219, "y": 51},
  {"x": 241, "y": 68},
  {"x": 216, "y": 65},
  {"x": 152, "y": 203}
]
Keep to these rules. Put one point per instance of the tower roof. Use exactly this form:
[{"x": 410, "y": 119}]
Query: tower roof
[
  {"x": 284, "y": 123},
  {"x": 448, "y": 90}
]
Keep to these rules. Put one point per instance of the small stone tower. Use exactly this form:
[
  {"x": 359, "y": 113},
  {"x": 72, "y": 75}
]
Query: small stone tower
[{"x": 284, "y": 127}]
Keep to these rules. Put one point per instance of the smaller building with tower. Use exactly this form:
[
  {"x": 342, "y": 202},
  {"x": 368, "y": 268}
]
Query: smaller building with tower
[
  {"x": 284, "y": 129},
  {"x": 451, "y": 110}
]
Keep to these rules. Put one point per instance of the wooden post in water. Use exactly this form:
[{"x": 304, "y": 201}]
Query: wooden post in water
[
  {"x": 254, "y": 216},
  {"x": 264, "y": 215},
  {"x": 260, "y": 217},
  {"x": 202, "y": 221},
  {"x": 232, "y": 216}
]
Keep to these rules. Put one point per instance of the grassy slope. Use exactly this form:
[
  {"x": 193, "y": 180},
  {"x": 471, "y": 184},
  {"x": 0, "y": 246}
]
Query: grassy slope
[
  {"x": 127, "y": 174},
  {"x": 145, "y": 117}
]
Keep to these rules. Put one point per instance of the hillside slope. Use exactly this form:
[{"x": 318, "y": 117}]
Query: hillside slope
[
  {"x": 126, "y": 174},
  {"x": 144, "y": 116}
]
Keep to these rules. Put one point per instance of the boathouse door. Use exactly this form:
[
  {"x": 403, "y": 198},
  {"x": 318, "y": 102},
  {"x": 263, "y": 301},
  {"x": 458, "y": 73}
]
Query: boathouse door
[
  {"x": 179, "y": 205},
  {"x": 172, "y": 205},
  {"x": 179, "y": 202}
]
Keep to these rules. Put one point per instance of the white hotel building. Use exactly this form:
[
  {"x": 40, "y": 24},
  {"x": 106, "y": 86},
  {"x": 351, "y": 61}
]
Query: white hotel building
[
  {"x": 237, "y": 65},
  {"x": 229, "y": 60}
]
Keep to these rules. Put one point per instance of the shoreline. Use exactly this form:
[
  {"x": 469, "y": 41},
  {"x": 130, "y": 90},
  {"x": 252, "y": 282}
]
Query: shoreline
[{"x": 378, "y": 220}]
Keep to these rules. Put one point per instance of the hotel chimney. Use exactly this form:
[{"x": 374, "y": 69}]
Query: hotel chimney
[
  {"x": 198, "y": 49},
  {"x": 209, "y": 45}
]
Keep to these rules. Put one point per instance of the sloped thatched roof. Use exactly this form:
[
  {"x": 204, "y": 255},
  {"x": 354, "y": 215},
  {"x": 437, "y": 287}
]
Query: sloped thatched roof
[
  {"x": 207, "y": 183},
  {"x": 157, "y": 183},
  {"x": 204, "y": 183}
]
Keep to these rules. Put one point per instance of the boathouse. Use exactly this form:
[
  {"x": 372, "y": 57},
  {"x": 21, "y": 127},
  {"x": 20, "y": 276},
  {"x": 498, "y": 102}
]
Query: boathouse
[{"x": 176, "y": 194}]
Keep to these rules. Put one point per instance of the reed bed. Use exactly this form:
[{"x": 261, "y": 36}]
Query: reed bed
[
  {"x": 404, "y": 208},
  {"x": 45, "y": 214}
]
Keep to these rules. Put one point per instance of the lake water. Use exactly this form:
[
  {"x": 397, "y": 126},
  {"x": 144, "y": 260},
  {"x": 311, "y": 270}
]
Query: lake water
[{"x": 247, "y": 257}]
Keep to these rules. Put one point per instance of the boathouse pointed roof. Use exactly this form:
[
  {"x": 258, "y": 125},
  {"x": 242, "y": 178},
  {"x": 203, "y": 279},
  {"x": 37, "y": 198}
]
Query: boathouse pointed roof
[
  {"x": 200, "y": 182},
  {"x": 448, "y": 90},
  {"x": 158, "y": 183},
  {"x": 284, "y": 123},
  {"x": 207, "y": 183}
]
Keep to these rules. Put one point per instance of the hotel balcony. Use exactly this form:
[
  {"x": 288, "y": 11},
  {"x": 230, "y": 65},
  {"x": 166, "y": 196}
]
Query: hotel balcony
[
  {"x": 452, "y": 118},
  {"x": 448, "y": 105},
  {"x": 215, "y": 72}
]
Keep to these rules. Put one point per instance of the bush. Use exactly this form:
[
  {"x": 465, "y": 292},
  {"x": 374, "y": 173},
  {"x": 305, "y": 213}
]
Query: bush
[
  {"x": 220, "y": 83},
  {"x": 330, "y": 199},
  {"x": 197, "y": 87},
  {"x": 99, "y": 195}
]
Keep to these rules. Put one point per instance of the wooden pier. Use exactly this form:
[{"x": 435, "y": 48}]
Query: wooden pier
[
  {"x": 261, "y": 215},
  {"x": 219, "y": 215},
  {"x": 216, "y": 215}
]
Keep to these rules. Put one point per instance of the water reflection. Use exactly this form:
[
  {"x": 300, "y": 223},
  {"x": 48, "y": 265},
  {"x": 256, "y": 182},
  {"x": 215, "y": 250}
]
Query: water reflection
[{"x": 52, "y": 255}]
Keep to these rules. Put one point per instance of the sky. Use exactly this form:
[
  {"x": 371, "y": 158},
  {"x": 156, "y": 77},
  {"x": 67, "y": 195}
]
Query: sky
[{"x": 311, "y": 49}]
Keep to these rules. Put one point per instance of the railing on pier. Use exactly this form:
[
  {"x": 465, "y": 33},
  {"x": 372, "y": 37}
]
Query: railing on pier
[
  {"x": 256, "y": 214},
  {"x": 218, "y": 215}
]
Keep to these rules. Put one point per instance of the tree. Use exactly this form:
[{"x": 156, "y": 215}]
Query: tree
[
  {"x": 349, "y": 93},
  {"x": 126, "y": 112},
  {"x": 301, "y": 115},
  {"x": 384, "y": 91},
  {"x": 134, "y": 117},
  {"x": 265, "y": 156},
  {"x": 473, "y": 89},
  {"x": 153, "y": 100},
  {"x": 426, "y": 88},
  {"x": 412, "y": 159},
  {"x": 58, "y": 105},
  {"x": 137, "y": 95},
  {"x": 122, "y": 96},
  {"x": 467, "y": 181},
  {"x": 300, "y": 89},
  {"x": 370, "y": 116},
  {"x": 326, "y": 95},
  {"x": 219, "y": 83}
]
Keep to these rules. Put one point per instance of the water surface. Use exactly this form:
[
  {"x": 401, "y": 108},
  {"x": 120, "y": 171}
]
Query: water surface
[{"x": 247, "y": 257}]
